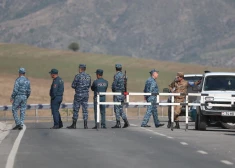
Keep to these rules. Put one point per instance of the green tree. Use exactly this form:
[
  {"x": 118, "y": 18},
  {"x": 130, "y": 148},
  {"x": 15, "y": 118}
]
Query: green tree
[{"x": 74, "y": 46}]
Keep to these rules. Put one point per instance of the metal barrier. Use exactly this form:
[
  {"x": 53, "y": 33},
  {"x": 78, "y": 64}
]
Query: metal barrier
[
  {"x": 186, "y": 103},
  {"x": 67, "y": 106}
]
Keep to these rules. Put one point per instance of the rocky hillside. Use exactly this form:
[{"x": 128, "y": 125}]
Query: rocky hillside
[{"x": 198, "y": 31}]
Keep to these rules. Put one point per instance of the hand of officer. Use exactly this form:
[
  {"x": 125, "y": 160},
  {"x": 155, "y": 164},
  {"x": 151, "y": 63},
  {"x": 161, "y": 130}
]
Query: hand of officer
[
  {"x": 198, "y": 82},
  {"x": 11, "y": 100}
]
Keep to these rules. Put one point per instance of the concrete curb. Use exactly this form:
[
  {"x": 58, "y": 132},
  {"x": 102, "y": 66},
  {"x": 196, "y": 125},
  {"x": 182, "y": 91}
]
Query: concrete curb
[{"x": 4, "y": 130}]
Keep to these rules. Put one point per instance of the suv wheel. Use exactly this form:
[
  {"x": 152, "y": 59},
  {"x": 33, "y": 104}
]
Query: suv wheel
[{"x": 201, "y": 120}]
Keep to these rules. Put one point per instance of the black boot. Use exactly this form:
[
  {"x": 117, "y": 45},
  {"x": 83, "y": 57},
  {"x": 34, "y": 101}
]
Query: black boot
[
  {"x": 177, "y": 126},
  {"x": 85, "y": 124},
  {"x": 169, "y": 124},
  {"x": 16, "y": 127},
  {"x": 126, "y": 123},
  {"x": 73, "y": 126},
  {"x": 118, "y": 125}
]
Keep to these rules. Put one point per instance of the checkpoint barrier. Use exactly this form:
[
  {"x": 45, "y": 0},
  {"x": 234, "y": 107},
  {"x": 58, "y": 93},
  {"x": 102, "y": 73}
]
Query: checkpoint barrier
[{"x": 172, "y": 104}]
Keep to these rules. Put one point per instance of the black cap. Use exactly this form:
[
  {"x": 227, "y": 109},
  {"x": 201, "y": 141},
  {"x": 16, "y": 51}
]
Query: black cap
[{"x": 53, "y": 71}]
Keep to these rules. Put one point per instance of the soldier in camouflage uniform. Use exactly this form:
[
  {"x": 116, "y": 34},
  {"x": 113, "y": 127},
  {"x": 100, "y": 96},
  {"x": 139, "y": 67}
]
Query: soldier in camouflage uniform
[
  {"x": 99, "y": 85},
  {"x": 19, "y": 97},
  {"x": 179, "y": 86},
  {"x": 81, "y": 84},
  {"x": 56, "y": 94},
  {"x": 151, "y": 87},
  {"x": 118, "y": 86}
]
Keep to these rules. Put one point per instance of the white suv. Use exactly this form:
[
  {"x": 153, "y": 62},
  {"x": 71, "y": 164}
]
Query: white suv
[{"x": 212, "y": 84}]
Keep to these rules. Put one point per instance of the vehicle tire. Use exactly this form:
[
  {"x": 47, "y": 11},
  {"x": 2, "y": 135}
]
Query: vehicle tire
[
  {"x": 201, "y": 119},
  {"x": 227, "y": 126}
]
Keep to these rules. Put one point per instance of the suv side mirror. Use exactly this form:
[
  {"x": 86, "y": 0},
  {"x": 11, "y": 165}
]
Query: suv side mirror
[{"x": 166, "y": 90}]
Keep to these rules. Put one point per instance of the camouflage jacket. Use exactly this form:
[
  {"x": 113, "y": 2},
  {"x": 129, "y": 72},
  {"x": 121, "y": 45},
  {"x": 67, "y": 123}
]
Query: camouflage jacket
[
  {"x": 82, "y": 83},
  {"x": 21, "y": 87},
  {"x": 118, "y": 82}
]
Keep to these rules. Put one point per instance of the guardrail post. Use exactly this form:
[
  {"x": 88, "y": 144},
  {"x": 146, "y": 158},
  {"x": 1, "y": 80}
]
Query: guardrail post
[
  {"x": 127, "y": 100},
  {"x": 67, "y": 114},
  {"x": 138, "y": 115},
  {"x": 98, "y": 111},
  {"x": 172, "y": 113},
  {"x": 186, "y": 108},
  {"x": 36, "y": 114}
]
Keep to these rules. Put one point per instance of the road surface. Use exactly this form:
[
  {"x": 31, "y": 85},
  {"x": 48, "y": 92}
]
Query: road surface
[{"x": 133, "y": 147}]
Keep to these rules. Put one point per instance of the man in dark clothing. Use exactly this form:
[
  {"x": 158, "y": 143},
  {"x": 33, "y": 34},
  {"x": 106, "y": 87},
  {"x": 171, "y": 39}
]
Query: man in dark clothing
[
  {"x": 99, "y": 85},
  {"x": 56, "y": 94}
]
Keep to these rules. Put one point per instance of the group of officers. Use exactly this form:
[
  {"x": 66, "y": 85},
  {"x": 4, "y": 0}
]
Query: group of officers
[{"x": 82, "y": 83}]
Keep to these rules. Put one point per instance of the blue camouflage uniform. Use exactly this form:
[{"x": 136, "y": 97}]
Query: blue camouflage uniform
[
  {"x": 118, "y": 86},
  {"x": 56, "y": 94},
  {"x": 20, "y": 94},
  {"x": 151, "y": 87},
  {"x": 81, "y": 84},
  {"x": 99, "y": 85}
]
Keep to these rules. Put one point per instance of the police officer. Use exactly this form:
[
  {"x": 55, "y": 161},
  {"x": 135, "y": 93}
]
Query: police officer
[
  {"x": 179, "y": 85},
  {"x": 151, "y": 87},
  {"x": 56, "y": 94},
  {"x": 118, "y": 86},
  {"x": 99, "y": 85},
  {"x": 81, "y": 84},
  {"x": 19, "y": 97}
]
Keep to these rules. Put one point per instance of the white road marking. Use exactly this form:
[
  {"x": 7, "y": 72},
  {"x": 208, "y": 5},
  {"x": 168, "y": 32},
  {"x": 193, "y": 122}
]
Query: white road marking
[
  {"x": 170, "y": 137},
  {"x": 183, "y": 143},
  {"x": 226, "y": 162},
  {"x": 202, "y": 152},
  {"x": 11, "y": 157}
]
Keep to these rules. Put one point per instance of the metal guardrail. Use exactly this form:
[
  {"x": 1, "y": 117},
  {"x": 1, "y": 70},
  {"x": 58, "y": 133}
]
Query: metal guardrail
[
  {"x": 202, "y": 102},
  {"x": 66, "y": 106}
]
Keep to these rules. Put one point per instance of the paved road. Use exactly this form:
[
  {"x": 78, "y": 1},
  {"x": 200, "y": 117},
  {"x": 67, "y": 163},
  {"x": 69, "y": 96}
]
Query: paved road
[{"x": 119, "y": 148}]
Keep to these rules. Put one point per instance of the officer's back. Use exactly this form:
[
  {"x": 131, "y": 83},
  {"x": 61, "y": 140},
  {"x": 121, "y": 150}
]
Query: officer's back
[
  {"x": 100, "y": 85},
  {"x": 82, "y": 82}
]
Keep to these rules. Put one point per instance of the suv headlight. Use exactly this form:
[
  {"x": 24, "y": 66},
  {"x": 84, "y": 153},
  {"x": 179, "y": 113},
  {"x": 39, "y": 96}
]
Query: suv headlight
[{"x": 209, "y": 98}]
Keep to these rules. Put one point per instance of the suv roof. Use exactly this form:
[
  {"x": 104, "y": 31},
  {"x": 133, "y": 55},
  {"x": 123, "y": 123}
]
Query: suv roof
[
  {"x": 191, "y": 75},
  {"x": 219, "y": 73}
]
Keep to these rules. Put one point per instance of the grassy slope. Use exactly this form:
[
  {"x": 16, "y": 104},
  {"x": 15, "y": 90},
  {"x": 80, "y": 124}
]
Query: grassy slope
[{"x": 39, "y": 61}]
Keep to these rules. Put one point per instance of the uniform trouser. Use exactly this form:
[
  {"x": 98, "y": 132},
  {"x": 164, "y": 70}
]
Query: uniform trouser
[
  {"x": 55, "y": 106},
  {"x": 102, "y": 110},
  {"x": 177, "y": 109},
  {"x": 77, "y": 102},
  {"x": 151, "y": 110},
  {"x": 20, "y": 101},
  {"x": 118, "y": 109}
]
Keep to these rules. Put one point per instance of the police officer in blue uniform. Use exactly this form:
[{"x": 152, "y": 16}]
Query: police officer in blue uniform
[
  {"x": 99, "y": 85},
  {"x": 118, "y": 85},
  {"x": 56, "y": 94},
  {"x": 19, "y": 97},
  {"x": 151, "y": 87},
  {"x": 81, "y": 84}
]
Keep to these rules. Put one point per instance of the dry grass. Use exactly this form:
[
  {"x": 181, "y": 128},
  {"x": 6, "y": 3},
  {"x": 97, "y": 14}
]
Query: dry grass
[{"x": 38, "y": 62}]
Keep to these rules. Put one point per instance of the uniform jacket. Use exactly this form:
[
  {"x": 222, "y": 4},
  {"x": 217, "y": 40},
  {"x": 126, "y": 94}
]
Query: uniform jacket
[
  {"x": 57, "y": 88},
  {"x": 118, "y": 82},
  {"x": 82, "y": 83},
  {"x": 21, "y": 87},
  {"x": 99, "y": 85}
]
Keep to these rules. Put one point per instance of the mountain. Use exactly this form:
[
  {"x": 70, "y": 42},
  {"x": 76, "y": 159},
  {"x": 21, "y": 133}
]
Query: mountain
[{"x": 192, "y": 31}]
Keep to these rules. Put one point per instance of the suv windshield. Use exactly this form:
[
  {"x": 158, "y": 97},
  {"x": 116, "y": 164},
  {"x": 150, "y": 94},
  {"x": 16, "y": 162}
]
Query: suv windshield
[{"x": 219, "y": 83}]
